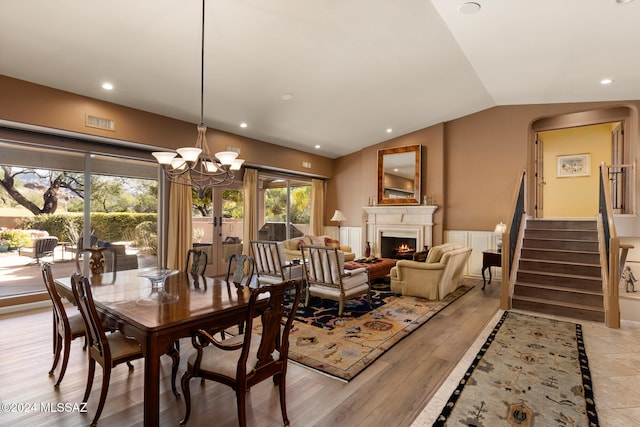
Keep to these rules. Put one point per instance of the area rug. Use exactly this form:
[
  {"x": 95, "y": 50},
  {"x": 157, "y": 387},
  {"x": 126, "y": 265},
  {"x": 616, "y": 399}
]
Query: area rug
[
  {"x": 530, "y": 371},
  {"x": 343, "y": 346}
]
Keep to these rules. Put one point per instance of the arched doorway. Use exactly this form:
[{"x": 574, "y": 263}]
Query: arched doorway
[{"x": 568, "y": 152}]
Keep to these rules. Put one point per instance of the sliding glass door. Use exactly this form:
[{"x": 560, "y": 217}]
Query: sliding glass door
[{"x": 285, "y": 206}]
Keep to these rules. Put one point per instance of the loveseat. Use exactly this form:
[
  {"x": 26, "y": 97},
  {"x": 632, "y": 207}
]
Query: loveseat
[
  {"x": 292, "y": 246},
  {"x": 439, "y": 275}
]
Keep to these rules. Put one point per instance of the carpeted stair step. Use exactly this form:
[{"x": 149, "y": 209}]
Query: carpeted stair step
[
  {"x": 585, "y": 283},
  {"x": 560, "y": 244},
  {"x": 572, "y": 268},
  {"x": 577, "y": 311},
  {"x": 587, "y": 257},
  {"x": 559, "y": 294},
  {"x": 562, "y": 224},
  {"x": 582, "y": 235}
]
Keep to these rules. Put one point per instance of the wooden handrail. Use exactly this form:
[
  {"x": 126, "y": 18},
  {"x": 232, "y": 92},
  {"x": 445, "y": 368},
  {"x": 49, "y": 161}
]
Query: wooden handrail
[
  {"x": 611, "y": 260},
  {"x": 510, "y": 240}
]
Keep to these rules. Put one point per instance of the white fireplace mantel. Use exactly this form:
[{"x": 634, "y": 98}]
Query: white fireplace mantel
[{"x": 399, "y": 221}]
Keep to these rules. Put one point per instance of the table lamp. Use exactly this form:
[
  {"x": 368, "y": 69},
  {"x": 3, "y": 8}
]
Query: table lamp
[{"x": 500, "y": 229}]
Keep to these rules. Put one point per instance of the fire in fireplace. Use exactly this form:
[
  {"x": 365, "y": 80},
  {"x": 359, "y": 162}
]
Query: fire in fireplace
[{"x": 397, "y": 247}]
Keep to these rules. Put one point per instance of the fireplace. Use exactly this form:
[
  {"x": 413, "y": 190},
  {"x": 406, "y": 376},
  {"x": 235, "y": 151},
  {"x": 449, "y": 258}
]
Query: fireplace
[
  {"x": 399, "y": 222},
  {"x": 397, "y": 247}
]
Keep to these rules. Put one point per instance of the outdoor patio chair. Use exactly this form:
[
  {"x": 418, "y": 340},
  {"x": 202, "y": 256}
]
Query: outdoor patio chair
[{"x": 42, "y": 247}]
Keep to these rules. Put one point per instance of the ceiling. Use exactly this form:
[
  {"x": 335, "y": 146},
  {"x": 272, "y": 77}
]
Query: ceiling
[{"x": 354, "y": 68}]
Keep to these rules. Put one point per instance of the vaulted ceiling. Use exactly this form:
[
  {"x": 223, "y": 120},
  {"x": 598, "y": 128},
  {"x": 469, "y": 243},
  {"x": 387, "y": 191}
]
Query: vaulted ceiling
[{"x": 327, "y": 73}]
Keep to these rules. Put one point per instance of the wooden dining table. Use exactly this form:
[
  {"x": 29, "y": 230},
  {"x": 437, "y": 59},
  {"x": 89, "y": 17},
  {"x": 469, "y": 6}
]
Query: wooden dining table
[{"x": 157, "y": 318}]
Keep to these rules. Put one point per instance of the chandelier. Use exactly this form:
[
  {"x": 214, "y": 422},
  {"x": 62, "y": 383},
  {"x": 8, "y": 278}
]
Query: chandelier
[{"x": 196, "y": 166}]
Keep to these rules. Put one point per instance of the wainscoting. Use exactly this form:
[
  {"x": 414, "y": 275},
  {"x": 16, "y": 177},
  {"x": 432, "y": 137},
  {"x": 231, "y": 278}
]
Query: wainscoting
[{"x": 478, "y": 241}]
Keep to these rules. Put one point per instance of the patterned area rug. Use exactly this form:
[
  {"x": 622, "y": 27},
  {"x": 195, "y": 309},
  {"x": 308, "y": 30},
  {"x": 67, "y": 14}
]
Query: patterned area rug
[
  {"x": 531, "y": 371},
  {"x": 343, "y": 346}
]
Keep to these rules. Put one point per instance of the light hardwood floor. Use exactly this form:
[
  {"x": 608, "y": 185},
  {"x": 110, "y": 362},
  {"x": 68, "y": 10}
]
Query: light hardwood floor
[{"x": 391, "y": 392}]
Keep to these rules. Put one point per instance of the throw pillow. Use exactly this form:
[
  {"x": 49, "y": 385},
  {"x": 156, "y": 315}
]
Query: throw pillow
[
  {"x": 420, "y": 256},
  {"x": 316, "y": 241},
  {"x": 331, "y": 243}
]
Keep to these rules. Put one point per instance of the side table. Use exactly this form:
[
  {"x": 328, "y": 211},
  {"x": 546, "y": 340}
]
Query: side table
[{"x": 490, "y": 259}]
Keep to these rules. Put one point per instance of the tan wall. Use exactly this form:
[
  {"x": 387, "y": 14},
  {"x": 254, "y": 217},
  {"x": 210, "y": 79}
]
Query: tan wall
[
  {"x": 573, "y": 196},
  {"x": 24, "y": 102},
  {"x": 473, "y": 163}
]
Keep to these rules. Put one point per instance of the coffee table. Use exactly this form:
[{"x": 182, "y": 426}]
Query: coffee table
[{"x": 378, "y": 269}]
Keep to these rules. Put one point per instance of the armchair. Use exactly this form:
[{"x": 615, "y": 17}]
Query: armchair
[
  {"x": 441, "y": 274},
  {"x": 327, "y": 278},
  {"x": 271, "y": 266}
]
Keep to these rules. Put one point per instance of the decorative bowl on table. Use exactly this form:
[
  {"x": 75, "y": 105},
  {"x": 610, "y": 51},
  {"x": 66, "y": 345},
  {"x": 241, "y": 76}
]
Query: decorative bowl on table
[{"x": 157, "y": 276}]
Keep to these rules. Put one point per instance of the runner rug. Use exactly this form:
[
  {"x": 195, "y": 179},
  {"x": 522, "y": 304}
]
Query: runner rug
[
  {"x": 531, "y": 371},
  {"x": 343, "y": 346}
]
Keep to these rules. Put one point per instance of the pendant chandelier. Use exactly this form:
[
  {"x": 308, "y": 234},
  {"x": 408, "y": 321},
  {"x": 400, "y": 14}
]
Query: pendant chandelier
[{"x": 195, "y": 166}]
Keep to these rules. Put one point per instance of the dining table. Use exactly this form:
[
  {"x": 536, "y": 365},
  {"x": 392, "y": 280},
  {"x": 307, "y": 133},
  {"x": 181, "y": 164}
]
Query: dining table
[{"x": 159, "y": 315}]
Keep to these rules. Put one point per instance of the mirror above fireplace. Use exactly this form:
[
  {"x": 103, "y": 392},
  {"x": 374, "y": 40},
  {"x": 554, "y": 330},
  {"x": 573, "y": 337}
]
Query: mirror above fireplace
[{"x": 399, "y": 175}]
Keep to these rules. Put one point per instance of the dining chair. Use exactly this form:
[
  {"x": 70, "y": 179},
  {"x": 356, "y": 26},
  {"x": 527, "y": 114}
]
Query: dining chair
[
  {"x": 66, "y": 326},
  {"x": 247, "y": 359},
  {"x": 196, "y": 262},
  {"x": 271, "y": 266},
  {"x": 243, "y": 267},
  {"x": 108, "y": 350},
  {"x": 326, "y": 277}
]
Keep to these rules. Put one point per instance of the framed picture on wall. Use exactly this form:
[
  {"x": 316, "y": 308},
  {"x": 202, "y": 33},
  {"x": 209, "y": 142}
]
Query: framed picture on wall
[
  {"x": 629, "y": 285},
  {"x": 574, "y": 165}
]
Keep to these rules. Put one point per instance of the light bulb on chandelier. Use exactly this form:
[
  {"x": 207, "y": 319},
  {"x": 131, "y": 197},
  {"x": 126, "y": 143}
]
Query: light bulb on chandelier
[{"x": 195, "y": 166}]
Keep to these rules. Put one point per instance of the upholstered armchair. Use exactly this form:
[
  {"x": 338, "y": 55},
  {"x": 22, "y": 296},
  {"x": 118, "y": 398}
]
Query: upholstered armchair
[
  {"x": 326, "y": 277},
  {"x": 441, "y": 273},
  {"x": 271, "y": 265}
]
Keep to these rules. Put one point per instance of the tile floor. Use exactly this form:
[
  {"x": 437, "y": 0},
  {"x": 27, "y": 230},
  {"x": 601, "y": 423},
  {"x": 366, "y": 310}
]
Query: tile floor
[{"x": 614, "y": 361}]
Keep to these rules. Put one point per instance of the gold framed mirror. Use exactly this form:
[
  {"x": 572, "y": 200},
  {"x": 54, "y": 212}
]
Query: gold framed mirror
[{"x": 399, "y": 175}]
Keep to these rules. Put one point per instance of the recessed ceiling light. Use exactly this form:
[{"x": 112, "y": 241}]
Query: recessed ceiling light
[
  {"x": 107, "y": 86},
  {"x": 243, "y": 125},
  {"x": 469, "y": 8},
  {"x": 606, "y": 81},
  {"x": 389, "y": 130},
  {"x": 623, "y": 1},
  {"x": 286, "y": 96},
  {"x": 317, "y": 146}
]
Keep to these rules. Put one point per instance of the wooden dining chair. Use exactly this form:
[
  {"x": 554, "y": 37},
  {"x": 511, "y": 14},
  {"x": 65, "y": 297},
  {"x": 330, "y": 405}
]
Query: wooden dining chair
[
  {"x": 247, "y": 359},
  {"x": 243, "y": 267},
  {"x": 108, "y": 350},
  {"x": 66, "y": 326},
  {"x": 196, "y": 262}
]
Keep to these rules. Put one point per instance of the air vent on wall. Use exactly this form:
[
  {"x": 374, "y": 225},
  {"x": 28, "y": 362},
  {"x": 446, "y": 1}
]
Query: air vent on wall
[{"x": 100, "y": 123}]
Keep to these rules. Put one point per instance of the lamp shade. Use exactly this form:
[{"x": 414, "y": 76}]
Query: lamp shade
[
  {"x": 500, "y": 228},
  {"x": 338, "y": 216}
]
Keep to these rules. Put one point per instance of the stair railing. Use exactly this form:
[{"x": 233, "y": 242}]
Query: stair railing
[
  {"x": 610, "y": 253},
  {"x": 511, "y": 241}
]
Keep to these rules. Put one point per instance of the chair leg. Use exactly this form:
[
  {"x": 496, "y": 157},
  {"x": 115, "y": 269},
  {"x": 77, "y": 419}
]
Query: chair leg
[
  {"x": 90, "y": 373},
  {"x": 283, "y": 398},
  {"x": 241, "y": 398},
  {"x": 106, "y": 376},
  {"x": 340, "y": 307},
  {"x": 130, "y": 365},
  {"x": 65, "y": 360},
  {"x": 175, "y": 356},
  {"x": 187, "y": 397},
  {"x": 57, "y": 344}
]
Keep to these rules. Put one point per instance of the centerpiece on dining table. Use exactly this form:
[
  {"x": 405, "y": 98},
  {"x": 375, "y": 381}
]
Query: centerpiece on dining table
[{"x": 157, "y": 277}]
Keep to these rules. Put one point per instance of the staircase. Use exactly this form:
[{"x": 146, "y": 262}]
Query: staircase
[{"x": 559, "y": 270}]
